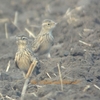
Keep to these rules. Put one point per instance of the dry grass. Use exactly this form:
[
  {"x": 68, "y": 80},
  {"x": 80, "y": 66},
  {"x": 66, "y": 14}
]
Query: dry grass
[
  {"x": 4, "y": 20},
  {"x": 30, "y": 33},
  {"x": 84, "y": 43},
  {"x": 27, "y": 78},
  {"x": 16, "y": 18},
  {"x": 31, "y": 68},
  {"x": 9, "y": 98},
  {"x": 24, "y": 89},
  {"x": 6, "y": 31},
  {"x": 71, "y": 14},
  {"x": 57, "y": 82},
  {"x": 48, "y": 75},
  {"x": 1, "y": 95},
  {"x": 16, "y": 26},
  {"x": 86, "y": 88},
  {"x": 96, "y": 86},
  {"x": 60, "y": 77},
  {"x": 8, "y": 66},
  {"x": 88, "y": 30}
]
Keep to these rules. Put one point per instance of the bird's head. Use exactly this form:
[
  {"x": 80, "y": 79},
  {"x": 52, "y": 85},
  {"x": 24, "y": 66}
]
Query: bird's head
[
  {"x": 22, "y": 41},
  {"x": 48, "y": 24}
]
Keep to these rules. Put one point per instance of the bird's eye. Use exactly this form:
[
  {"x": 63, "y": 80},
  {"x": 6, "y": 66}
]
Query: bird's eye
[
  {"x": 23, "y": 38},
  {"x": 48, "y": 24}
]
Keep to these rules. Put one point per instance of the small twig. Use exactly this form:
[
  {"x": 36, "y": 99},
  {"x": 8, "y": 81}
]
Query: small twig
[
  {"x": 9, "y": 98},
  {"x": 88, "y": 30},
  {"x": 16, "y": 18},
  {"x": 48, "y": 75},
  {"x": 27, "y": 77},
  {"x": 24, "y": 89},
  {"x": 7, "y": 69},
  {"x": 96, "y": 86},
  {"x": 47, "y": 96},
  {"x": 34, "y": 94},
  {"x": 84, "y": 43},
  {"x": 86, "y": 88},
  {"x": 1, "y": 96},
  {"x": 39, "y": 86},
  {"x": 28, "y": 21},
  {"x": 45, "y": 82},
  {"x": 80, "y": 34},
  {"x": 79, "y": 8},
  {"x": 48, "y": 8},
  {"x": 6, "y": 32},
  {"x": 16, "y": 26},
  {"x": 55, "y": 74},
  {"x": 31, "y": 68},
  {"x": 30, "y": 33},
  {"x": 63, "y": 67},
  {"x": 68, "y": 12},
  {"x": 4, "y": 20},
  {"x": 60, "y": 77}
]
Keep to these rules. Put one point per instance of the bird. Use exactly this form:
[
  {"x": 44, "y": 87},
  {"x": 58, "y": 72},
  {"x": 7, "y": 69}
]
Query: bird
[
  {"x": 44, "y": 40},
  {"x": 24, "y": 57}
]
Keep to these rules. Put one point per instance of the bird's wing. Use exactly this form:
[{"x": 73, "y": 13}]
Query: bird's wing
[
  {"x": 37, "y": 43},
  {"x": 29, "y": 54},
  {"x": 16, "y": 64},
  {"x": 33, "y": 64}
]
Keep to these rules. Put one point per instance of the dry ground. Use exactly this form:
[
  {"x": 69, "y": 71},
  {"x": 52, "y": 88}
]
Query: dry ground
[{"x": 76, "y": 49}]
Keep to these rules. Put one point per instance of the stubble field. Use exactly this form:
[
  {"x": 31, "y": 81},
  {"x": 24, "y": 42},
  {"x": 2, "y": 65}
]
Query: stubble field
[{"x": 76, "y": 49}]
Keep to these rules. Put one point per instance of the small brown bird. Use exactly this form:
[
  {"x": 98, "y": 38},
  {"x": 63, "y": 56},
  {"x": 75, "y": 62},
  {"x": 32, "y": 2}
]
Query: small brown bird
[
  {"x": 44, "y": 40},
  {"x": 23, "y": 57}
]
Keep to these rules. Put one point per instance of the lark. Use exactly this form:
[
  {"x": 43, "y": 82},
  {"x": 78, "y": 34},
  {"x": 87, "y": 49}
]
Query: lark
[
  {"x": 24, "y": 57},
  {"x": 44, "y": 40}
]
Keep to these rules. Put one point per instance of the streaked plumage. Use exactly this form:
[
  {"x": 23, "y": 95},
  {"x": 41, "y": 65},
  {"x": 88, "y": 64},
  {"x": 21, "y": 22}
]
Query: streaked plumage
[
  {"x": 44, "y": 41},
  {"x": 23, "y": 57}
]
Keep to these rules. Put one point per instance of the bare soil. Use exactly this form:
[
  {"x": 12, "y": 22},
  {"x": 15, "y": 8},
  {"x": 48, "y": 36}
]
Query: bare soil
[{"x": 76, "y": 49}]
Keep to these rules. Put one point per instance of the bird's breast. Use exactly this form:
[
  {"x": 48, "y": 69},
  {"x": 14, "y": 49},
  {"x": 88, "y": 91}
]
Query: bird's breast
[
  {"x": 23, "y": 61},
  {"x": 46, "y": 44}
]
